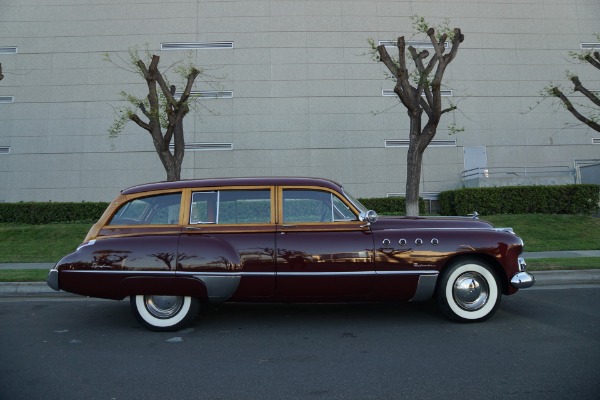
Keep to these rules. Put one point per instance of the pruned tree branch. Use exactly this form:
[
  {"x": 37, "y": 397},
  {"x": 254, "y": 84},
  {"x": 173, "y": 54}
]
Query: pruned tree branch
[
  {"x": 591, "y": 119},
  {"x": 593, "y": 59},
  {"x": 578, "y": 87},
  {"x": 569, "y": 106},
  {"x": 140, "y": 123}
]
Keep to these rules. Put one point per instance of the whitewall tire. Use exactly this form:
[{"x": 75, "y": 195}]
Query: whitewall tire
[
  {"x": 469, "y": 291},
  {"x": 164, "y": 313}
]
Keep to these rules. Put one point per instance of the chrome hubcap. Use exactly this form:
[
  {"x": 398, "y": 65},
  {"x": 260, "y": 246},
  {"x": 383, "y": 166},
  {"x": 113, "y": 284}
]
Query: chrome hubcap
[
  {"x": 471, "y": 291},
  {"x": 163, "y": 306}
]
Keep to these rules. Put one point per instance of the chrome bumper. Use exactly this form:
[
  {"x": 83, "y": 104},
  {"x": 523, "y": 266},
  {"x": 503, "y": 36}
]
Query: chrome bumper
[
  {"x": 52, "y": 279},
  {"x": 522, "y": 280}
]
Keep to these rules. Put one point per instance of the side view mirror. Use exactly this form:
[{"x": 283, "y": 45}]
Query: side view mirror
[{"x": 370, "y": 217}]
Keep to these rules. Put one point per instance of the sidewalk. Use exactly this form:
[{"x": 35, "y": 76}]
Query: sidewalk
[
  {"x": 546, "y": 279},
  {"x": 561, "y": 254}
]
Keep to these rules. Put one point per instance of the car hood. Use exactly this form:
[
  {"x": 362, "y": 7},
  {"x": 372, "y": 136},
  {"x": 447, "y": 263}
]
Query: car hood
[{"x": 384, "y": 223}]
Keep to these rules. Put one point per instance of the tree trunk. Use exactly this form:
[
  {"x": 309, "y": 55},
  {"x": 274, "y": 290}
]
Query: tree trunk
[
  {"x": 173, "y": 174},
  {"x": 178, "y": 150},
  {"x": 414, "y": 161},
  {"x": 170, "y": 164}
]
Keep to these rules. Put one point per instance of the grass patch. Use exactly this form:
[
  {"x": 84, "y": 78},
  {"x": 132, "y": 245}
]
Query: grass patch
[
  {"x": 542, "y": 232},
  {"x": 39, "y": 243},
  {"x": 550, "y": 264},
  {"x": 23, "y": 275}
]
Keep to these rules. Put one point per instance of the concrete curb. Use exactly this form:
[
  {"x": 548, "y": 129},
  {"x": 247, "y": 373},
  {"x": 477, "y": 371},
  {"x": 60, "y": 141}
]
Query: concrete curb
[
  {"x": 29, "y": 289},
  {"x": 27, "y": 266},
  {"x": 579, "y": 277},
  {"x": 561, "y": 254},
  {"x": 542, "y": 278}
]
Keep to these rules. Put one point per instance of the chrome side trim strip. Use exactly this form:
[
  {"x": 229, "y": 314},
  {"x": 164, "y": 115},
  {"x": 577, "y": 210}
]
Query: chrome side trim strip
[
  {"x": 358, "y": 273},
  {"x": 111, "y": 271},
  {"x": 244, "y": 273},
  {"x": 415, "y": 272},
  {"x": 224, "y": 273},
  {"x": 328, "y": 273}
]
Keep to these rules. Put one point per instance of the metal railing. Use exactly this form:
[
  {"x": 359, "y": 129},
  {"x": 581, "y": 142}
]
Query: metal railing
[
  {"x": 587, "y": 171},
  {"x": 518, "y": 172}
]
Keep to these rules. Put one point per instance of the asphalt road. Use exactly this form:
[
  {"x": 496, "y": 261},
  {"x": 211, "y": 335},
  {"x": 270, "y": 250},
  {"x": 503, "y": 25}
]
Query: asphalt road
[{"x": 542, "y": 344}]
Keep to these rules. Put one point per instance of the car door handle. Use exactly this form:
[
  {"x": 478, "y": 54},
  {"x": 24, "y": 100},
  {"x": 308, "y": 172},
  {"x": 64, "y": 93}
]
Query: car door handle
[
  {"x": 284, "y": 227},
  {"x": 193, "y": 228}
]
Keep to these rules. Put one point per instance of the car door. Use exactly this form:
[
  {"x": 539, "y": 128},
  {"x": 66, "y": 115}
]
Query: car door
[
  {"x": 323, "y": 249},
  {"x": 229, "y": 242}
]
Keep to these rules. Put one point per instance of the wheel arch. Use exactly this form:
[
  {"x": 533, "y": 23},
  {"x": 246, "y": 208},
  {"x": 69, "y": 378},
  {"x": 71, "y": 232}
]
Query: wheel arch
[
  {"x": 171, "y": 286},
  {"x": 489, "y": 260}
]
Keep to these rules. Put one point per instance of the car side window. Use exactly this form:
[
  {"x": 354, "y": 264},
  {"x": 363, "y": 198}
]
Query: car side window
[
  {"x": 341, "y": 212},
  {"x": 300, "y": 205},
  {"x": 152, "y": 210},
  {"x": 231, "y": 207}
]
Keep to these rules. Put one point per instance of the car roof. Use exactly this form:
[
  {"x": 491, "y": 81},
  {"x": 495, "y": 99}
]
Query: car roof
[{"x": 246, "y": 181}]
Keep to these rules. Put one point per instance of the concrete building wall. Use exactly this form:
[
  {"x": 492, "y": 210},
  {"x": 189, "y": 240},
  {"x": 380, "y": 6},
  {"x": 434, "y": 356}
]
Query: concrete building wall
[{"x": 307, "y": 98}]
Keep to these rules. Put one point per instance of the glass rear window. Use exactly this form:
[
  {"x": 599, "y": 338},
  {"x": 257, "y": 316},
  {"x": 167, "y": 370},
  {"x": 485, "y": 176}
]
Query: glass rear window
[{"x": 152, "y": 210}]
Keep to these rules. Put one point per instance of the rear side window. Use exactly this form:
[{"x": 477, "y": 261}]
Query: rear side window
[
  {"x": 231, "y": 207},
  {"x": 152, "y": 210}
]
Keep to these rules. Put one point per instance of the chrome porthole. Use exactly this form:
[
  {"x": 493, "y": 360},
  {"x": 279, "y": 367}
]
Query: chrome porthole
[
  {"x": 419, "y": 242},
  {"x": 435, "y": 242},
  {"x": 402, "y": 242},
  {"x": 471, "y": 291}
]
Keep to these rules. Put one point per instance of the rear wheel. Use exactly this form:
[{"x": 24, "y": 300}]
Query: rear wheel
[
  {"x": 164, "y": 313},
  {"x": 469, "y": 291}
]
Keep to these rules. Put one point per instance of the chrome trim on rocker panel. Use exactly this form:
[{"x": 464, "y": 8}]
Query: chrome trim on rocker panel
[
  {"x": 425, "y": 287},
  {"x": 219, "y": 288}
]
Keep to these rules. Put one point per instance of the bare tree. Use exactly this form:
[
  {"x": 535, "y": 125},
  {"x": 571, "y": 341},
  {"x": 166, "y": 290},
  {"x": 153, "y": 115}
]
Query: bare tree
[
  {"x": 591, "y": 115},
  {"x": 162, "y": 112},
  {"x": 1, "y": 76},
  {"x": 419, "y": 90}
]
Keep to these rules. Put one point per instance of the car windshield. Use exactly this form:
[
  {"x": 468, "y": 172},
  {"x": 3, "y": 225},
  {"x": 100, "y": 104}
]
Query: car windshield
[{"x": 356, "y": 203}]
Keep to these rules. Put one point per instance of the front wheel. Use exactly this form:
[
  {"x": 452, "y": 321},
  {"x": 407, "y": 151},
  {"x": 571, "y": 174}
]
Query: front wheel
[
  {"x": 164, "y": 313},
  {"x": 469, "y": 291}
]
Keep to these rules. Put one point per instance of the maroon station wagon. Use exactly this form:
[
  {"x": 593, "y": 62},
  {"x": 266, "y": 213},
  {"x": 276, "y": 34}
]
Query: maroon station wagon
[{"x": 171, "y": 246}]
